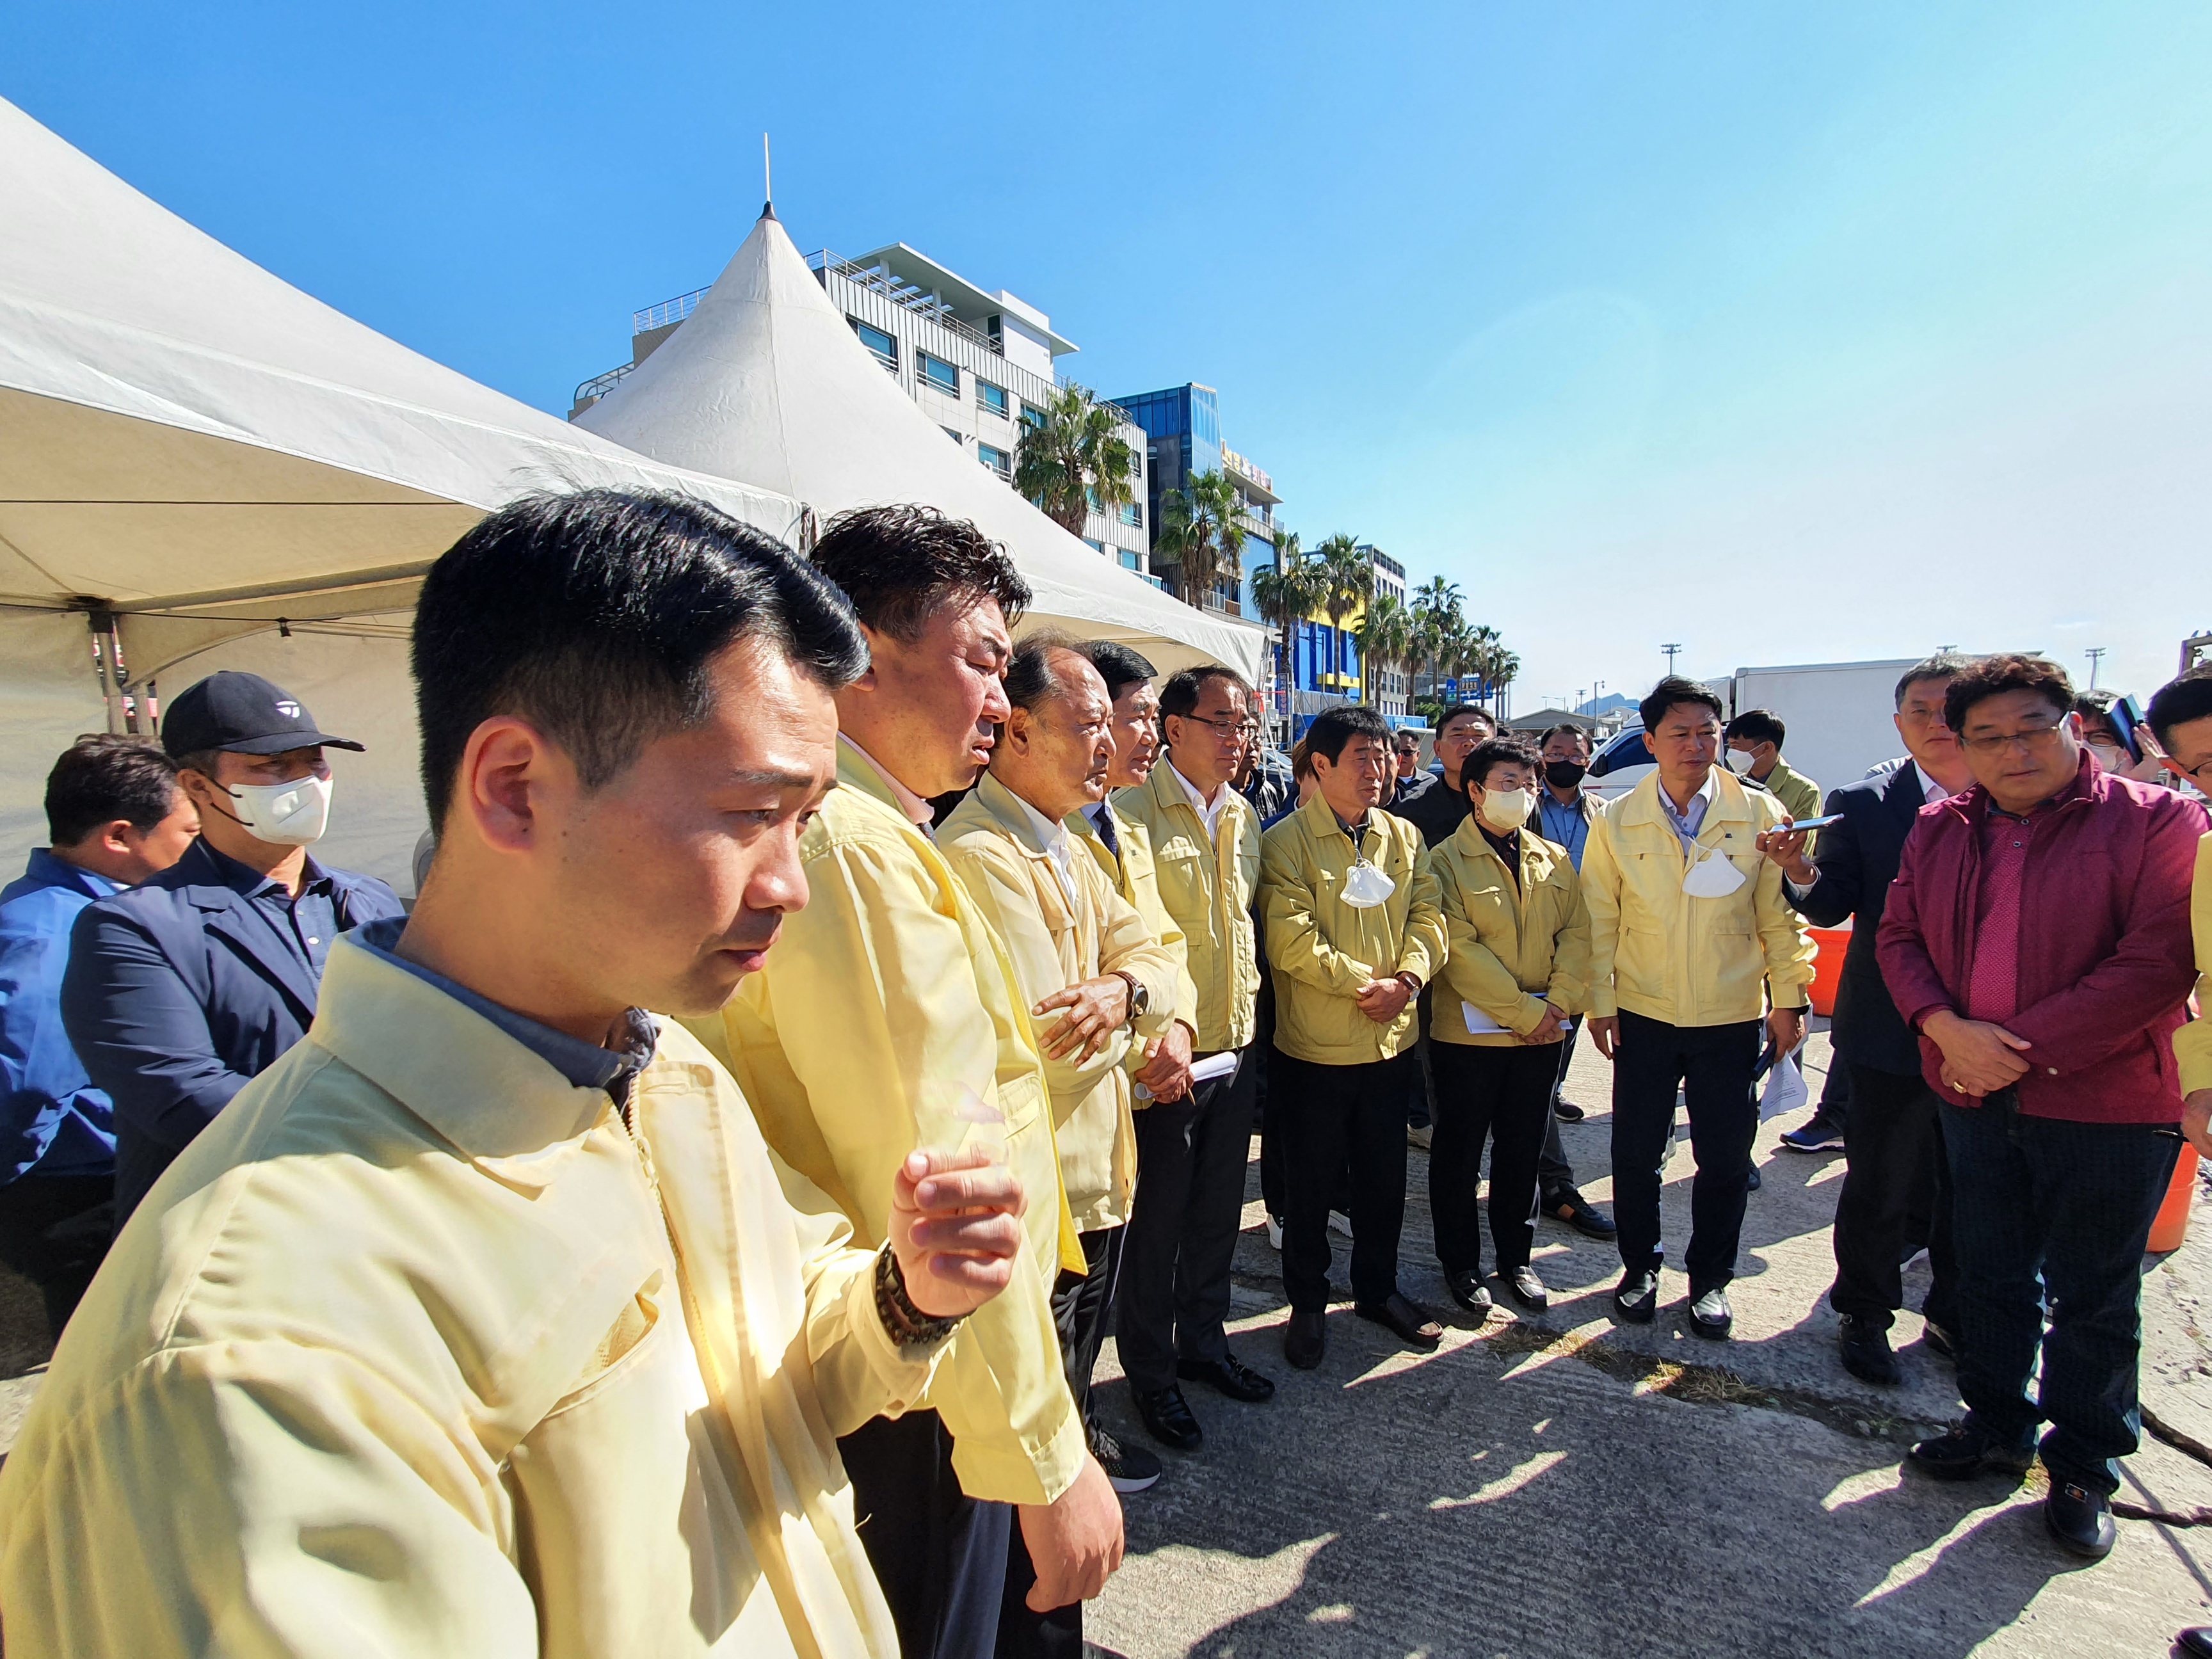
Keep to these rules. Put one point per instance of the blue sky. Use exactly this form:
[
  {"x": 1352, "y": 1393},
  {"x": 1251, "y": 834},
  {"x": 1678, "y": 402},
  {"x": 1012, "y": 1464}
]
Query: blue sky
[{"x": 1794, "y": 334}]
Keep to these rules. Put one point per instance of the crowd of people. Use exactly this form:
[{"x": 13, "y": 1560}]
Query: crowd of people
[{"x": 692, "y": 1224}]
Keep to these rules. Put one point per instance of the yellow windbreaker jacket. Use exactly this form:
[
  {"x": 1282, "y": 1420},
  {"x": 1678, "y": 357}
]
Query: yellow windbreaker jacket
[
  {"x": 1208, "y": 887},
  {"x": 399, "y": 1357},
  {"x": 2192, "y": 1044},
  {"x": 1658, "y": 952},
  {"x": 889, "y": 1018},
  {"x": 993, "y": 849},
  {"x": 1324, "y": 950},
  {"x": 1514, "y": 949},
  {"x": 1132, "y": 876}
]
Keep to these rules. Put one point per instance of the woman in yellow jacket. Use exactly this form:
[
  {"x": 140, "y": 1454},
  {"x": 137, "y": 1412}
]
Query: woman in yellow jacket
[{"x": 1515, "y": 974}]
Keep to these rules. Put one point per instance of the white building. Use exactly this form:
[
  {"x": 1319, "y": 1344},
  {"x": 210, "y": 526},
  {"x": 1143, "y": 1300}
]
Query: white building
[{"x": 978, "y": 363}]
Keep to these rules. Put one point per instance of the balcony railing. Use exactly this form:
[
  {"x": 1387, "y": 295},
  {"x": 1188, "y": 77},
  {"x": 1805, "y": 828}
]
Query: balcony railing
[
  {"x": 599, "y": 385},
  {"x": 667, "y": 312},
  {"x": 901, "y": 293}
]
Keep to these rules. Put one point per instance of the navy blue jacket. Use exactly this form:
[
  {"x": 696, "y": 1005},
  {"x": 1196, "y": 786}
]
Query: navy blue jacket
[
  {"x": 1858, "y": 861},
  {"x": 52, "y": 1121},
  {"x": 183, "y": 989}
]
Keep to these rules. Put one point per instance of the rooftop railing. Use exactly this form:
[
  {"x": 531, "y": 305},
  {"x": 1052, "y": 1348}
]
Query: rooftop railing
[
  {"x": 599, "y": 385},
  {"x": 877, "y": 279},
  {"x": 667, "y": 312}
]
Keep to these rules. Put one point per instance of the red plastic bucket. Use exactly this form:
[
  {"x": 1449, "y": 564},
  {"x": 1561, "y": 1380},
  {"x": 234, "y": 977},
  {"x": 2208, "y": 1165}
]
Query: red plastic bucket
[{"x": 2173, "y": 1224}]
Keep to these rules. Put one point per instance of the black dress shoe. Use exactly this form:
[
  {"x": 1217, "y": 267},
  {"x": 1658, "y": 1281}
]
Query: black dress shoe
[
  {"x": 1566, "y": 1111},
  {"x": 1525, "y": 1288},
  {"x": 1407, "y": 1319},
  {"x": 1939, "y": 1341},
  {"x": 1709, "y": 1313},
  {"x": 2081, "y": 1520},
  {"x": 1753, "y": 1185},
  {"x": 1306, "y": 1338},
  {"x": 1865, "y": 1349},
  {"x": 1227, "y": 1375},
  {"x": 1168, "y": 1418},
  {"x": 1964, "y": 1451},
  {"x": 1566, "y": 1204},
  {"x": 1468, "y": 1289},
  {"x": 1636, "y": 1298}
]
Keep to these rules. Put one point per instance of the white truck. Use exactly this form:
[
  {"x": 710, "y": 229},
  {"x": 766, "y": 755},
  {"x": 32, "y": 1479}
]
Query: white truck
[{"x": 1838, "y": 715}]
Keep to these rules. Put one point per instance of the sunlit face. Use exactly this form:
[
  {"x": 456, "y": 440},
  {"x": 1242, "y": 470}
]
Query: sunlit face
[
  {"x": 1409, "y": 756},
  {"x": 942, "y": 697},
  {"x": 1355, "y": 780},
  {"x": 2020, "y": 748},
  {"x": 217, "y": 810},
  {"x": 2189, "y": 753},
  {"x": 155, "y": 849},
  {"x": 1567, "y": 746},
  {"x": 674, "y": 877},
  {"x": 1136, "y": 734},
  {"x": 1685, "y": 744},
  {"x": 1057, "y": 755},
  {"x": 1503, "y": 778},
  {"x": 1463, "y": 735},
  {"x": 1216, "y": 740},
  {"x": 1928, "y": 737}
]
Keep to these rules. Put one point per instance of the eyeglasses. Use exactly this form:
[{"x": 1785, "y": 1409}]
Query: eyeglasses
[
  {"x": 1224, "y": 726},
  {"x": 2036, "y": 737}
]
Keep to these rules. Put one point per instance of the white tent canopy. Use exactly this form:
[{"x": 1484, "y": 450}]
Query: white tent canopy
[
  {"x": 766, "y": 382},
  {"x": 191, "y": 449}
]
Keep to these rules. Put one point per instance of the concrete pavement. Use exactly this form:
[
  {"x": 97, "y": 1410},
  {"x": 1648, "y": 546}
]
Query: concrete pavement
[{"x": 1553, "y": 1485}]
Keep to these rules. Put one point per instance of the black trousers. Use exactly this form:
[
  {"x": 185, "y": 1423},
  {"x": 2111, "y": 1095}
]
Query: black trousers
[
  {"x": 1081, "y": 1305},
  {"x": 1503, "y": 1095},
  {"x": 1335, "y": 1119},
  {"x": 1713, "y": 1065},
  {"x": 1421, "y": 1086},
  {"x": 939, "y": 1554},
  {"x": 1893, "y": 1143},
  {"x": 1554, "y": 1173},
  {"x": 1191, "y": 1155},
  {"x": 54, "y": 1233}
]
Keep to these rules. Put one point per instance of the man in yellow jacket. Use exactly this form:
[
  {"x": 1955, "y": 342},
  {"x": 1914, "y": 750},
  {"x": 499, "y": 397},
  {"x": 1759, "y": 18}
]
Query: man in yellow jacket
[
  {"x": 1100, "y": 986},
  {"x": 1203, "y": 839},
  {"x": 482, "y": 1325},
  {"x": 1689, "y": 928},
  {"x": 1353, "y": 931},
  {"x": 2180, "y": 717},
  {"x": 890, "y": 1018}
]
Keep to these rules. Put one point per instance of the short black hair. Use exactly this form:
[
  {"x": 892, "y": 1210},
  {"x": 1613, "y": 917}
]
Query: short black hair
[
  {"x": 1117, "y": 664},
  {"x": 2179, "y": 700},
  {"x": 102, "y": 777},
  {"x": 594, "y": 614},
  {"x": 1568, "y": 728},
  {"x": 1756, "y": 725},
  {"x": 1459, "y": 709},
  {"x": 2009, "y": 671},
  {"x": 1510, "y": 748},
  {"x": 1186, "y": 686},
  {"x": 1334, "y": 727},
  {"x": 2097, "y": 706},
  {"x": 1404, "y": 736},
  {"x": 1030, "y": 677},
  {"x": 1675, "y": 690},
  {"x": 901, "y": 565},
  {"x": 1943, "y": 666}
]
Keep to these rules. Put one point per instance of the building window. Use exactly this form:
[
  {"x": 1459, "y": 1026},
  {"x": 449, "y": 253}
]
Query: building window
[
  {"x": 997, "y": 459},
  {"x": 885, "y": 348},
  {"x": 936, "y": 372},
  {"x": 1032, "y": 416},
  {"x": 1128, "y": 560},
  {"x": 960, "y": 438},
  {"x": 993, "y": 399},
  {"x": 1132, "y": 515}
]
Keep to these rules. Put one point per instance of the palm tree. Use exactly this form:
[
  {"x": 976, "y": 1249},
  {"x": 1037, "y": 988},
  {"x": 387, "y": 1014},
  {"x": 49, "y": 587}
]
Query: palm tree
[
  {"x": 1344, "y": 578},
  {"x": 1436, "y": 606},
  {"x": 1199, "y": 535},
  {"x": 1385, "y": 634},
  {"x": 1285, "y": 595},
  {"x": 1504, "y": 666},
  {"x": 1070, "y": 463}
]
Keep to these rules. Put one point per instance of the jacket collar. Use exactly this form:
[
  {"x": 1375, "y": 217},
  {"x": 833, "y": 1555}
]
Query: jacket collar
[
  {"x": 857, "y": 769},
  {"x": 502, "y": 1106},
  {"x": 1470, "y": 840},
  {"x": 2091, "y": 786},
  {"x": 1012, "y": 814},
  {"x": 1321, "y": 819},
  {"x": 1730, "y": 802},
  {"x": 1169, "y": 792},
  {"x": 44, "y": 870}
]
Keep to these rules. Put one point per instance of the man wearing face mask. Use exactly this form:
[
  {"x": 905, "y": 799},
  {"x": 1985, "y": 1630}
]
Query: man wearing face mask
[
  {"x": 1754, "y": 751},
  {"x": 185, "y": 988}
]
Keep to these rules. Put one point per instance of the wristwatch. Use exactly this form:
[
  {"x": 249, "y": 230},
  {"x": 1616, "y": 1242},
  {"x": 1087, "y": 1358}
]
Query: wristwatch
[
  {"x": 1140, "y": 999},
  {"x": 1410, "y": 980}
]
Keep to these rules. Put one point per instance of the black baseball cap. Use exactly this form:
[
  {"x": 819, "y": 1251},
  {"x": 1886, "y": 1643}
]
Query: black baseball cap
[{"x": 243, "y": 714}]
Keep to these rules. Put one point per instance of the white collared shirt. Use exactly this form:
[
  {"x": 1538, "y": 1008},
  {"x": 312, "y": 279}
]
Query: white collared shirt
[
  {"x": 911, "y": 804},
  {"x": 1931, "y": 791},
  {"x": 1208, "y": 816},
  {"x": 1687, "y": 823},
  {"x": 1059, "y": 846}
]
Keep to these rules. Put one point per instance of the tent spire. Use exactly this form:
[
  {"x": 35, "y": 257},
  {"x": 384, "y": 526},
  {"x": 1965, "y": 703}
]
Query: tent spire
[{"x": 768, "y": 185}]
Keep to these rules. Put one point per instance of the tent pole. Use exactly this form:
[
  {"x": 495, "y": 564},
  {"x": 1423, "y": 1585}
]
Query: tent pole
[{"x": 102, "y": 626}]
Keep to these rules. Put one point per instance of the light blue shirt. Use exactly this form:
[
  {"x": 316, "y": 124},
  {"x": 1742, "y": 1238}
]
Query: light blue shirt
[
  {"x": 1686, "y": 825},
  {"x": 1567, "y": 826}
]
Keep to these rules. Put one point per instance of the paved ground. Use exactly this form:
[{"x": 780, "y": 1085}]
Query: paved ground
[{"x": 1559, "y": 1487}]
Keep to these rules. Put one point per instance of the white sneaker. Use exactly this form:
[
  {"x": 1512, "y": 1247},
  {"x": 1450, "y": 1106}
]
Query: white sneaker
[{"x": 1274, "y": 1232}]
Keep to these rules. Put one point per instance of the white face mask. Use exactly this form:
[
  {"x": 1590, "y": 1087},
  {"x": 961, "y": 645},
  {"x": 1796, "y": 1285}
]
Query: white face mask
[
  {"x": 1713, "y": 876},
  {"x": 293, "y": 814},
  {"x": 1507, "y": 809},
  {"x": 2110, "y": 756},
  {"x": 1739, "y": 762},
  {"x": 1365, "y": 886}
]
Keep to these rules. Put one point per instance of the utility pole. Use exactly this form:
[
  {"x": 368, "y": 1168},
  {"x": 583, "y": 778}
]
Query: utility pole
[
  {"x": 1672, "y": 652},
  {"x": 2095, "y": 655}
]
